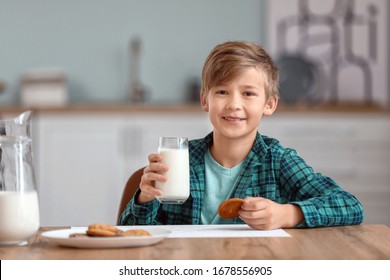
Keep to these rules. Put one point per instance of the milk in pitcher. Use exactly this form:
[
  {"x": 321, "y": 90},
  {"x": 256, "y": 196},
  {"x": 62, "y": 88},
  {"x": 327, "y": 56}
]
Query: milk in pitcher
[{"x": 19, "y": 216}]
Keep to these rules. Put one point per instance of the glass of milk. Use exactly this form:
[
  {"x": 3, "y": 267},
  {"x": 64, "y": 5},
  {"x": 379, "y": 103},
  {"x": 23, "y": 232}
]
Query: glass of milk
[
  {"x": 19, "y": 210},
  {"x": 174, "y": 152}
]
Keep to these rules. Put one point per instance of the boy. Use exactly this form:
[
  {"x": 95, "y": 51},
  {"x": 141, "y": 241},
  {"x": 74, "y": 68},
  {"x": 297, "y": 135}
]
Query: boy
[{"x": 239, "y": 86}]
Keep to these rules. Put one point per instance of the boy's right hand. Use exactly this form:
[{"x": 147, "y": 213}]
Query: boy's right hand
[{"x": 152, "y": 173}]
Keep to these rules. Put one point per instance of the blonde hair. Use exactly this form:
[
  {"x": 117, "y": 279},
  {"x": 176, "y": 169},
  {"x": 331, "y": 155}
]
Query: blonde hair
[{"x": 228, "y": 60}]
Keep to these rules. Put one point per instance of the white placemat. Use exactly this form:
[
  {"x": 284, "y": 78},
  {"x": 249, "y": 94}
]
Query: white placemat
[{"x": 198, "y": 231}]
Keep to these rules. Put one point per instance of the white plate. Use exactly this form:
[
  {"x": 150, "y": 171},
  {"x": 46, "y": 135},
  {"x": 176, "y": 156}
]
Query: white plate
[{"x": 61, "y": 237}]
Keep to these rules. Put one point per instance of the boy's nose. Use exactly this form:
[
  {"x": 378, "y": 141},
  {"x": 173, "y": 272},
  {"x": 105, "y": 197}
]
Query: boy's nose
[{"x": 233, "y": 103}]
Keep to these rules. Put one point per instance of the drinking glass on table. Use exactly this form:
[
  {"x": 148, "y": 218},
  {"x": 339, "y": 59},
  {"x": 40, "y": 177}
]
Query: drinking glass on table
[{"x": 174, "y": 152}]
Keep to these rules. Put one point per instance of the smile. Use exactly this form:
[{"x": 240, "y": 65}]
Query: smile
[{"x": 233, "y": 118}]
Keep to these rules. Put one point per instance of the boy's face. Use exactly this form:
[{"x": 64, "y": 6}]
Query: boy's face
[{"x": 236, "y": 108}]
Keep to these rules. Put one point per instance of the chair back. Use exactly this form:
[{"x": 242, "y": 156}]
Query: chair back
[{"x": 129, "y": 190}]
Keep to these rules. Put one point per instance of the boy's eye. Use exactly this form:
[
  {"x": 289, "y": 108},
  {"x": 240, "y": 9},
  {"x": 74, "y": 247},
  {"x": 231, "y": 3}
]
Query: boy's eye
[
  {"x": 248, "y": 93},
  {"x": 221, "y": 92}
]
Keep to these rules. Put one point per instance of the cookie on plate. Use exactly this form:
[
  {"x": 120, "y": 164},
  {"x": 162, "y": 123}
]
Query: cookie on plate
[
  {"x": 135, "y": 232},
  {"x": 103, "y": 230},
  {"x": 229, "y": 208},
  {"x": 78, "y": 235}
]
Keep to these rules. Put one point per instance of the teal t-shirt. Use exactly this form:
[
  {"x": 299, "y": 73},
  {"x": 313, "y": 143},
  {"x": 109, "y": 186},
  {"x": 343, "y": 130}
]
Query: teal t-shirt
[{"x": 220, "y": 183}]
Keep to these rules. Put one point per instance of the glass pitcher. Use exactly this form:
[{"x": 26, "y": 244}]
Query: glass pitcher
[{"x": 19, "y": 209}]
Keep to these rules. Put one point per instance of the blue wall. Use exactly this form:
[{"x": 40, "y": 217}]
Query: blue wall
[{"x": 89, "y": 39}]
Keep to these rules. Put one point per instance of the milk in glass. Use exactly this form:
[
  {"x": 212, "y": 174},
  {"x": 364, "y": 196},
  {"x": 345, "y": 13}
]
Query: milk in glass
[{"x": 174, "y": 151}]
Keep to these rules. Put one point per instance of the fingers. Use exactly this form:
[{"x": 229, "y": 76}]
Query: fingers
[
  {"x": 147, "y": 183},
  {"x": 259, "y": 213},
  {"x": 149, "y": 190},
  {"x": 254, "y": 204},
  {"x": 155, "y": 164},
  {"x": 154, "y": 158},
  {"x": 253, "y": 208},
  {"x": 263, "y": 226},
  {"x": 156, "y": 167},
  {"x": 152, "y": 173},
  {"x": 260, "y": 221}
]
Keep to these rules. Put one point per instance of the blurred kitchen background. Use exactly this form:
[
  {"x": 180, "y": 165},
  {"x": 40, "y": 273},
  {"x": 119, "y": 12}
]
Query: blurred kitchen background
[
  {"x": 106, "y": 78},
  {"x": 95, "y": 43}
]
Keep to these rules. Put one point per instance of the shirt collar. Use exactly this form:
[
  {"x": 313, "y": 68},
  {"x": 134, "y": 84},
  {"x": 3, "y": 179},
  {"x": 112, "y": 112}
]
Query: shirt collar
[{"x": 258, "y": 151}]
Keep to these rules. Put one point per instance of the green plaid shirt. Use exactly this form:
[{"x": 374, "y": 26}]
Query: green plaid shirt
[{"x": 269, "y": 171}]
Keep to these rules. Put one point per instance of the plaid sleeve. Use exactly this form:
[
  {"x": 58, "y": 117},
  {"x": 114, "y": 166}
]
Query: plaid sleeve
[
  {"x": 135, "y": 214},
  {"x": 154, "y": 213},
  {"x": 322, "y": 200}
]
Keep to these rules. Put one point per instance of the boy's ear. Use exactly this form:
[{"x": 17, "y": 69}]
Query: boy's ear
[
  {"x": 203, "y": 101},
  {"x": 270, "y": 105}
]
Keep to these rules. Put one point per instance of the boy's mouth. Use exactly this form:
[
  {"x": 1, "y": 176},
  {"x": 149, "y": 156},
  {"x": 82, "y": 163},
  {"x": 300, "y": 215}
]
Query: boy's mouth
[{"x": 229, "y": 118}]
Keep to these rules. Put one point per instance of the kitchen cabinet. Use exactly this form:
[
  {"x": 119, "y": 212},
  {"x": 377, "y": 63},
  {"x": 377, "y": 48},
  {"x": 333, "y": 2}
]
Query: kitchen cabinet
[
  {"x": 84, "y": 159},
  {"x": 79, "y": 168}
]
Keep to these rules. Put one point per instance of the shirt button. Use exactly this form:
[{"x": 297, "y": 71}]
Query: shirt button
[{"x": 312, "y": 221}]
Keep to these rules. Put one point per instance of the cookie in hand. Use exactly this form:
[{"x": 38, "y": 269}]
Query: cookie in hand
[{"x": 229, "y": 208}]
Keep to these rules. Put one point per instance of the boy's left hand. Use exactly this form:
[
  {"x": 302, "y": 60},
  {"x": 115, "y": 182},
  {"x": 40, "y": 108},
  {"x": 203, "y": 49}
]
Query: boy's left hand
[{"x": 265, "y": 214}]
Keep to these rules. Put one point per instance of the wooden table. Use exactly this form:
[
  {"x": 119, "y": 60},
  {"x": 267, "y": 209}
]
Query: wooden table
[{"x": 334, "y": 243}]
